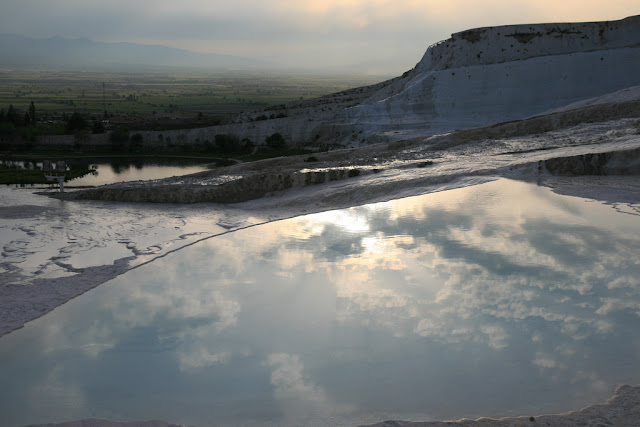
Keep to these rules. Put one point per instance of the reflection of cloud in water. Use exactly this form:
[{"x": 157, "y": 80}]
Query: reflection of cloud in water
[
  {"x": 348, "y": 220},
  {"x": 297, "y": 395},
  {"x": 452, "y": 264},
  {"x": 201, "y": 358},
  {"x": 411, "y": 296},
  {"x": 57, "y": 383},
  {"x": 463, "y": 266},
  {"x": 500, "y": 258},
  {"x": 287, "y": 377},
  {"x": 546, "y": 361}
]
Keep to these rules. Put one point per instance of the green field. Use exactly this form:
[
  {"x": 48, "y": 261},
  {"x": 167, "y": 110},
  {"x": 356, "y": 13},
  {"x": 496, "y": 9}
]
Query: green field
[{"x": 215, "y": 94}]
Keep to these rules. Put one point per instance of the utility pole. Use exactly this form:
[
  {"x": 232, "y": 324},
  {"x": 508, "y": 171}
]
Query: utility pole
[{"x": 55, "y": 171}]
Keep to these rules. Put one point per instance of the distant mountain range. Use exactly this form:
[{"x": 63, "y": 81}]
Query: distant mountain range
[{"x": 83, "y": 53}]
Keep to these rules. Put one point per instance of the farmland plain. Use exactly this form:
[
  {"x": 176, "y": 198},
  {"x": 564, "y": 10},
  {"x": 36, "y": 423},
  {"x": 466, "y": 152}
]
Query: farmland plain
[{"x": 145, "y": 92}]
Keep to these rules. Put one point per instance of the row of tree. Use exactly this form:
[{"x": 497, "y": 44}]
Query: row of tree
[
  {"x": 13, "y": 123},
  {"x": 18, "y": 120},
  {"x": 228, "y": 143},
  {"x": 24, "y": 124}
]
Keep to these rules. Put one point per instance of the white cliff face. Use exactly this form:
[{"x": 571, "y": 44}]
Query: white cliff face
[
  {"x": 488, "y": 75},
  {"x": 491, "y": 45},
  {"x": 475, "y": 78}
]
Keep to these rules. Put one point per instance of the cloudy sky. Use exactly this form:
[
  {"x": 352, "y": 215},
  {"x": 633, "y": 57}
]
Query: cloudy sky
[{"x": 377, "y": 36}]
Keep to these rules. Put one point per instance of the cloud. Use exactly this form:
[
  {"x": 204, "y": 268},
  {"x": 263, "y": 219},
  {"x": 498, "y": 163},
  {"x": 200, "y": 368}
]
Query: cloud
[{"x": 293, "y": 32}]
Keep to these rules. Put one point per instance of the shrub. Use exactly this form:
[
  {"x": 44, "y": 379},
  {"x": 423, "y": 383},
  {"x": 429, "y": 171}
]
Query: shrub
[
  {"x": 136, "y": 142},
  {"x": 97, "y": 127},
  {"x": 275, "y": 141},
  {"x": 76, "y": 123},
  {"x": 119, "y": 138},
  {"x": 247, "y": 144},
  {"x": 228, "y": 143}
]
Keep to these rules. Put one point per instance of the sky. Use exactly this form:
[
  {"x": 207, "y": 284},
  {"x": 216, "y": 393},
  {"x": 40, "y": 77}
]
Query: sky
[{"x": 372, "y": 36}]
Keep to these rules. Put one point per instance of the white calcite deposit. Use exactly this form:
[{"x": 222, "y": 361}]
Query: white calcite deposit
[
  {"x": 474, "y": 78},
  {"x": 494, "y": 74}
]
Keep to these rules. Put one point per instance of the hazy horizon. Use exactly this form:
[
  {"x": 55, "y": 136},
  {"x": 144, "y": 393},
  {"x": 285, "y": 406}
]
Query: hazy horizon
[{"x": 371, "y": 37}]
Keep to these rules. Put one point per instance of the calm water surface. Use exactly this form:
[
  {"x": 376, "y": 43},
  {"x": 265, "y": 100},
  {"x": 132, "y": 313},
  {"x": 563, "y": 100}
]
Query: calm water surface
[
  {"x": 144, "y": 169},
  {"x": 498, "y": 299},
  {"x": 116, "y": 169}
]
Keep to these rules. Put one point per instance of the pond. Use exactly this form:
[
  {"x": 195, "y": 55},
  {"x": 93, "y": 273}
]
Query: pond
[
  {"x": 492, "y": 300},
  {"x": 122, "y": 169}
]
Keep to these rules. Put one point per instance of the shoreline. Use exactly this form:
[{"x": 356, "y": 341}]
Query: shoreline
[{"x": 622, "y": 409}]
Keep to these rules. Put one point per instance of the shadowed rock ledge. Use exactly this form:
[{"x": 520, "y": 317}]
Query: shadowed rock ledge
[
  {"x": 626, "y": 162},
  {"x": 237, "y": 190}
]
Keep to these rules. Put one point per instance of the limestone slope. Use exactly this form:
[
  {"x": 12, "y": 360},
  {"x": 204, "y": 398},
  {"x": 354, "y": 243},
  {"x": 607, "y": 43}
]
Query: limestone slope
[
  {"x": 489, "y": 75},
  {"x": 475, "y": 78}
]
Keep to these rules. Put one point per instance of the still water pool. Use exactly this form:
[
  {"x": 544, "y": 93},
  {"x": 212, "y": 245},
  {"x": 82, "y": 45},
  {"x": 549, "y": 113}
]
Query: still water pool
[
  {"x": 111, "y": 170},
  {"x": 124, "y": 170},
  {"x": 498, "y": 299}
]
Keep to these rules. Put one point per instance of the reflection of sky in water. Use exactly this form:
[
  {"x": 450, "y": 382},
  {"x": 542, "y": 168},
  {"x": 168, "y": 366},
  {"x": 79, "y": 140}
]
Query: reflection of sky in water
[
  {"x": 122, "y": 169},
  {"x": 109, "y": 174},
  {"x": 498, "y": 299}
]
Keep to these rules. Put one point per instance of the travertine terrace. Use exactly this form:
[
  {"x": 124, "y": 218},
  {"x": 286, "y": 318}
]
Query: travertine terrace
[{"x": 474, "y": 78}]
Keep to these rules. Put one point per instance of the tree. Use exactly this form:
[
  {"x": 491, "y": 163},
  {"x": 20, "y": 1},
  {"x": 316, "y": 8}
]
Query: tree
[
  {"x": 13, "y": 117},
  {"x": 7, "y": 129},
  {"x": 76, "y": 123},
  {"x": 79, "y": 139},
  {"x": 97, "y": 127},
  {"x": 32, "y": 113},
  {"x": 119, "y": 138}
]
